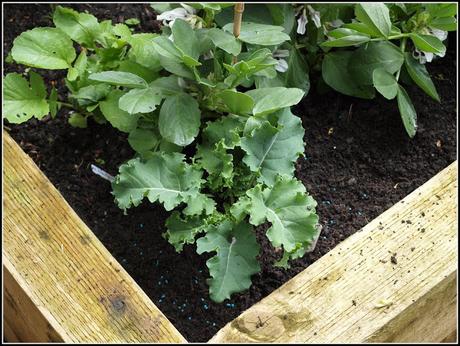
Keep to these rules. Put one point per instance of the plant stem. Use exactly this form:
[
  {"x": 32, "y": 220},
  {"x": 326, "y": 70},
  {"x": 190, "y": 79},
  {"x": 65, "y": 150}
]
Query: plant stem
[
  {"x": 237, "y": 17},
  {"x": 403, "y": 48},
  {"x": 395, "y": 37}
]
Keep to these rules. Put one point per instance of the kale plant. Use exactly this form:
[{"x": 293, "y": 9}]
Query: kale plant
[{"x": 195, "y": 86}]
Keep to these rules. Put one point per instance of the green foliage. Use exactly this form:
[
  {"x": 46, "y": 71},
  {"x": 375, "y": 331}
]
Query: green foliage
[
  {"x": 225, "y": 101},
  {"x": 384, "y": 38}
]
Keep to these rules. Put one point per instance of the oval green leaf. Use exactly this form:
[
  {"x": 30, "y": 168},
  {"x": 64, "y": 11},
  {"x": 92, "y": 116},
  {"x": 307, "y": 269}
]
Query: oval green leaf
[{"x": 47, "y": 48}]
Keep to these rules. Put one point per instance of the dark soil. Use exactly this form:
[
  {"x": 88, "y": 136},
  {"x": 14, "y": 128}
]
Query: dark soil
[{"x": 359, "y": 162}]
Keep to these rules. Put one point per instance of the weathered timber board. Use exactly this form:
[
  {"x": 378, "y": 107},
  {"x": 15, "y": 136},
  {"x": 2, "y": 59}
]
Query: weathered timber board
[
  {"x": 358, "y": 293},
  {"x": 61, "y": 283}
]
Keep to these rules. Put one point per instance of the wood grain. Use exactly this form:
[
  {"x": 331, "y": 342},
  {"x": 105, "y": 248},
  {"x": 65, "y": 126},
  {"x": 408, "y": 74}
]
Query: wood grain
[
  {"x": 61, "y": 283},
  {"x": 393, "y": 281}
]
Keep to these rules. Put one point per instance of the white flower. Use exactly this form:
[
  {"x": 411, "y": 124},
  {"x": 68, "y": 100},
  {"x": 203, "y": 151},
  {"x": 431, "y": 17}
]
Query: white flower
[
  {"x": 185, "y": 12},
  {"x": 337, "y": 23},
  {"x": 302, "y": 23},
  {"x": 281, "y": 64},
  {"x": 440, "y": 34},
  {"x": 315, "y": 16}
]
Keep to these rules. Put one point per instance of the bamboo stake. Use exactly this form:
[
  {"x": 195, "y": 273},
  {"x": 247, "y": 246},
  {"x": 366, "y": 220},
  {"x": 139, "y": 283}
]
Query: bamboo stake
[{"x": 238, "y": 15}]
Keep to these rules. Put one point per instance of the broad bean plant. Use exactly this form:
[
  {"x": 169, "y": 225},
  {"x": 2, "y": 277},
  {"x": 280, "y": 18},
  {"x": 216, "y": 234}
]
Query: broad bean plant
[{"x": 193, "y": 86}]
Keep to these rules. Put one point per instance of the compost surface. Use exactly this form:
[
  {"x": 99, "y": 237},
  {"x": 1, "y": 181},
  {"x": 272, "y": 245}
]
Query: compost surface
[{"x": 358, "y": 162}]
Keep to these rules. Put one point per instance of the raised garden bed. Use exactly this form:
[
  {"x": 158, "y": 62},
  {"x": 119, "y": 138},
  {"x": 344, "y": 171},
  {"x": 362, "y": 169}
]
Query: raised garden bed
[{"x": 370, "y": 164}]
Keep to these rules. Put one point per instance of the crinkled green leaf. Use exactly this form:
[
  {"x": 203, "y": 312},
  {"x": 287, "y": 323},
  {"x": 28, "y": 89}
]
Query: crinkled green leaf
[
  {"x": 235, "y": 260},
  {"x": 179, "y": 120},
  {"x": 199, "y": 203},
  {"x": 183, "y": 231},
  {"x": 163, "y": 177},
  {"x": 227, "y": 128},
  {"x": 269, "y": 100},
  {"x": 273, "y": 150},
  {"x": 407, "y": 111},
  {"x": 117, "y": 117},
  {"x": 21, "y": 101},
  {"x": 140, "y": 100},
  {"x": 289, "y": 209},
  {"x": 83, "y": 28},
  {"x": 47, "y": 48},
  {"x": 260, "y": 34},
  {"x": 385, "y": 83},
  {"x": 126, "y": 79},
  {"x": 217, "y": 162}
]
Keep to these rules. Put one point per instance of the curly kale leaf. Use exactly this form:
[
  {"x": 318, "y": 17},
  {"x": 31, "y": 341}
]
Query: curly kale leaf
[{"x": 235, "y": 260}]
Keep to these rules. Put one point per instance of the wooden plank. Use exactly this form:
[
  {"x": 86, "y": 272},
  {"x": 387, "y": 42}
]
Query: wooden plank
[
  {"x": 61, "y": 283},
  {"x": 393, "y": 281}
]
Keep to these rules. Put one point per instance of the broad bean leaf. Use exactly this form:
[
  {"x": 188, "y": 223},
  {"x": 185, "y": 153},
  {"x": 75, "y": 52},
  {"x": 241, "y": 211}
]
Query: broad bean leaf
[
  {"x": 117, "y": 117},
  {"x": 336, "y": 74},
  {"x": 143, "y": 50},
  {"x": 47, "y": 48},
  {"x": 420, "y": 76},
  {"x": 407, "y": 111},
  {"x": 21, "y": 101},
  {"x": 142, "y": 140},
  {"x": 126, "y": 79},
  {"x": 428, "y": 43},
  {"x": 273, "y": 150},
  {"x": 444, "y": 23},
  {"x": 185, "y": 38},
  {"x": 225, "y": 41},
  {"x": 167, "y": 86},
  {"x": 133, "y": 67},
  {"x": 183, "y": 231},
  {"x": 260, "y": 34},
  {"x": 165, "y": 178},
  {"x": 235, "y": 260},
  {"x": 344, "y": 37},
  {"x": 376, "y": 16},
  {"x": 289, "y": 209},
  {"x": 179, "y": 121},
  {"x": 385, "y": 83},
  {"x": 237, "y": 102},
  {"x": 140, "y": 100},
  {"x": 374, "y": 55},
  {"x": 83, "y": 28},
  {"x": 269, "y": 100}
]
